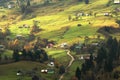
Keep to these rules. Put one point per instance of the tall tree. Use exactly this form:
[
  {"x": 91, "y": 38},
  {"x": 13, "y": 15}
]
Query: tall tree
[
  {"x": 108, "y": 66},
  {"x": 16, "y": 55},
  {"x": 24, "y": 54},
  {"x": 61, "y": 69},
  {"x": 28, "y": 3},
  {"x": 102, "y": 55},
  {"x": 23, "y": 5},
  {"x": 78, "y": 73}
]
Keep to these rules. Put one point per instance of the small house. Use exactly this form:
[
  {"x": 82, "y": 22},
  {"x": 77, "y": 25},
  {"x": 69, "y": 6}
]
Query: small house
[
  {"x": 95, "y": 44},
  {"x": 19, "y": 73},
  {"x": 86, "y": 14},
  {"x": 20, "y": 37},
  {"x": 80, "y": 14},
  {"x": 51, "y": 64},
  {"x": 50, "y": 45},
  {"x": 44, "y": 71},
  {"x": 64, "y": 45},
  {"x": 2, "y": 47},
  {"x": 81, "y": 58},
  {"x": 49, "y": 71},
  {"x": 106, "y": 14},
  {"x": 116, "y": 1},
  {"x": 9, "y": 6}
]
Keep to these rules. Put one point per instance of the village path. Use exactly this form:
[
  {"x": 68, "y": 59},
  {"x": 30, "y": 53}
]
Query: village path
[{"x": 70, "y": 63}]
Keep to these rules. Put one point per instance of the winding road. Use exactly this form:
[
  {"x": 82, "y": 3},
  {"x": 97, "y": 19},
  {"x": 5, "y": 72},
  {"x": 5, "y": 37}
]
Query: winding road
[{"x": 70, "y": 63}]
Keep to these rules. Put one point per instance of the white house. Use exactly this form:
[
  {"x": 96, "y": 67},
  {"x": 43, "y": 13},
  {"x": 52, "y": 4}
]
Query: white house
[
  {"x": 63, "y": 45},
  {"x": 9, "y": 6},
  {"x": 51, "y": 64},
  {"x": 106, "y": 14},
  {"x": 117, "y": 1}
]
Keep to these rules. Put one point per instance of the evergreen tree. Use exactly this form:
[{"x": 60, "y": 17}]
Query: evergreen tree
[
  {"x": 16, "y": 55},
  {"x": 109, "y": 41},
  {"x": 113, "y": 49},
  {"x": 37, "y": 54},
  {"x": 83, "y": 68},
  {"x": 28, "y": 3},
  {"x": 24, "y": 54},
  {"x": 30, "y": 55},
  {"x": 108, "y": 66},
  {"x": 102, "y": 55},
  {"x": 86, "y": 1},
  {"x": 78, "y": 73},
  {"x": 61, "y": 69},
  {"x": 118, "y": 51},
  {"x": 45, "y": 55}
]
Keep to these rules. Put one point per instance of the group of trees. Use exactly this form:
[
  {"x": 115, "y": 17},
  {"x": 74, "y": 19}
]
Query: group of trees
[
  {"x": 107, "y": 59},
  {"x": 23, "y": 5},
  {"x": 33, "y": 55}
]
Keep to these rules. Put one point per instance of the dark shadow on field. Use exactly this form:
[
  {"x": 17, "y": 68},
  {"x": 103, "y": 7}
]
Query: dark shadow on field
[{"x": 108, "y": 30}]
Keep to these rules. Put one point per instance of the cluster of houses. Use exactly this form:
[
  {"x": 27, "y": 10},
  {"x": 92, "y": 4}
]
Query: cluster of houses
[
  {"x": 86, "y": 57},
  {"x": 63, "y": 45},
  {"x": 49, "y": 70}
]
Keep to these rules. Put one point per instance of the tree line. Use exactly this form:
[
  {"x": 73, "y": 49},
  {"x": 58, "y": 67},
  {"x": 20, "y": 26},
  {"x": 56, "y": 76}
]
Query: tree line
[{"x": 32, "y": 55}]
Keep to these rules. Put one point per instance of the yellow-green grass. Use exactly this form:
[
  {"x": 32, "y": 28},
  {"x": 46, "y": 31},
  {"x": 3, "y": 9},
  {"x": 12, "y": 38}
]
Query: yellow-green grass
[
  {"x": 73, "y": 33},
  {"x": 60, "y": 56},
  {"x": 52, "y": 23}
]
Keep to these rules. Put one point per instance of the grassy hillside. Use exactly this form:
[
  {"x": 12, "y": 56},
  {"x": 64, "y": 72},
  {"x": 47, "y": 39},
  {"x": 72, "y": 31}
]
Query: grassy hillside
[{"x": 54, "y": 17}]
